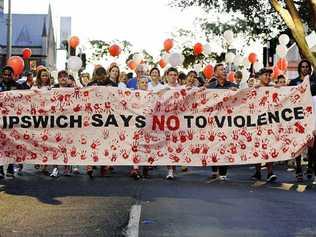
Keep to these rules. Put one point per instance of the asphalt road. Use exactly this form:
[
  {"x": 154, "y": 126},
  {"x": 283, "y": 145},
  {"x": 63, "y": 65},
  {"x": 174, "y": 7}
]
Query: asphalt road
[{"x": 36, "y": 205}]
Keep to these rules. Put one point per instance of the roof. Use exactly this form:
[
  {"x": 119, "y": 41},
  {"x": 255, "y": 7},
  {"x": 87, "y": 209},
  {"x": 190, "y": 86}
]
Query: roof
[{"x": 27, "y": 29}]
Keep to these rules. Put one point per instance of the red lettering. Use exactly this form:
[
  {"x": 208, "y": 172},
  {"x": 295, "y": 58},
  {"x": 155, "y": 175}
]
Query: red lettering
[
  {"x": 160, "y": 123},
  {"x": 176, "y": 123}
]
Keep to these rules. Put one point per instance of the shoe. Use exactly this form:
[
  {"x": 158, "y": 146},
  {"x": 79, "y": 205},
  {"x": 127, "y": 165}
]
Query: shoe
[
  {"x": 223, "y": 178},
  {"x": 271, "y": 177},
  {"x": 104, "y": 171},
  {"x": 76, "y": 171},
  {"x": 299, "y": 177},
  {"x": 170, "y": 175},
  {"x": 256, "y": 176},
  {"x": 309, "y": 174},
  {"x": 184, "y": 169},
  {"x": 54, "y": 174},
  {"x": 10, "y": 175},
  {"x": 135, "y": 174},
  {"x": 90, "y": 174}
]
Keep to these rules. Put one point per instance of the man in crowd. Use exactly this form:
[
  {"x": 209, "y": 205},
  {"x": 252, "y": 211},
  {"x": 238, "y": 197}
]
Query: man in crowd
[
  {"x": 7, "y": 83},
  {"x": 220, "y": 82},
  {"x": 133, "y": 83},
  {"x": 304, "y": 70}
]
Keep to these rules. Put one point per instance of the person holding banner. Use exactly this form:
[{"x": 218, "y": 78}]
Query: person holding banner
[
  {"x": 304, "y": 70},
  {"x": 220, "y": 82},
  {"x": 101, "y": 79},
  {"x": 135, "y": 172},
  {"x": 155, "y": 85},
  {"x": 172, "y": 83},
  {"x": 7, "y": 83},
  {"x": 265, "y": 79}
]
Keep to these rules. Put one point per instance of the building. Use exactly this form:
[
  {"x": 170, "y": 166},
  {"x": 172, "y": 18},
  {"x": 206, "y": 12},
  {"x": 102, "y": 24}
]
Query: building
[{"x": 34, "y": 31}]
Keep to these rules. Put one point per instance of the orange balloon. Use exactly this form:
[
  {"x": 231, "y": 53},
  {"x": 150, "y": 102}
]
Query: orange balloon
[
  {"x": 26, "y": 53},
  {"x": 168, "y": 44},
  {"x": 197, "y": 49},
  {"x": 74, "y": 42},
  {"x": 231, "y": 76},
  {"x": 208, "y": 71},
  {"x": 252, "y": 58},
  {"x": 132, "y": 64},
  {"x": 114, "y": 50},
  {"x": 276, "y": 72},
  {"x": 17, "y": 65},
  {"x": 162, "y": 63},
  {"x": 282, "y": 64}
]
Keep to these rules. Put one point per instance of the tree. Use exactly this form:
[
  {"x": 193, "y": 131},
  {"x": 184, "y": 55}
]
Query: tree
[{"x": 262, "y": 18}]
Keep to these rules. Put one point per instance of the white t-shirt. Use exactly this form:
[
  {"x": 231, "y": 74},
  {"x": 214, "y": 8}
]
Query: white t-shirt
[
  {"x": 122, "y": 85},
  {"x": 155, "y": 88}
]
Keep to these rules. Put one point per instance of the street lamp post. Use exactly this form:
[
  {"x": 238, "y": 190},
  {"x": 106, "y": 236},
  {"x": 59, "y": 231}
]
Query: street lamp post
[{"x": 9, "y": 31}]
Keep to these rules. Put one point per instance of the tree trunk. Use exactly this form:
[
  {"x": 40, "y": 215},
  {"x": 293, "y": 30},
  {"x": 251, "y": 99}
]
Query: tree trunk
[{"x": 293, "y": 21}]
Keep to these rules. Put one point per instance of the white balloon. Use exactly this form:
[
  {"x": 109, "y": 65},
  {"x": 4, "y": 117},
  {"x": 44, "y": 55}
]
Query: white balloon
[
  {"x": 238, "y": 60},
  {"x": 175, "y": 59},
  {"x": 281, "y": 51},
  {"x": 74, "y": 63},
  {"x": 245, "y": 74},
  {"x": 284, "y": 39},
  {"x": 257, "y": 66},
  {"x": 207, "y": 49},
  {"x": 246, "y": 62},
  {"x": 229, "y": 57},
  {"x": 229, "y": 36},
  {"x": 137, "y": 57},
  {"x": 165, "y": 57}
]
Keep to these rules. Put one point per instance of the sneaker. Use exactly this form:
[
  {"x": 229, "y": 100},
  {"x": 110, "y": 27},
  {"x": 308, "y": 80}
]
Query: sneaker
[
  {"x": 223, "y": 178},
  {"x": 184, "y": 169},
  {"x": 90, "y": 173},
  {"x": 256, "y": 176},
  {"x": 104, "y": 171},
  {"x": 75, "y": 171},
  {"x": 54, "y": 174},
  {"x": 309, "y": 174},
  {"x": 170, "y": 175},
  {"x": 10, "y": 175},
  {"x": 271, "y": 177},
  {"x": 299, "y": 177},
  {"x": 135, "y": 174}
]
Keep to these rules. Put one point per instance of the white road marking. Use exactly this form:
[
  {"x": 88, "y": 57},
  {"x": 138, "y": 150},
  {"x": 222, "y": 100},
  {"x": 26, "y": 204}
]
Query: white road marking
[{"x": 133, "y": 224}]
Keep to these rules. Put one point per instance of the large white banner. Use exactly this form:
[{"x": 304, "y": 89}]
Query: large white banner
[{"x": 196, "y": 127}]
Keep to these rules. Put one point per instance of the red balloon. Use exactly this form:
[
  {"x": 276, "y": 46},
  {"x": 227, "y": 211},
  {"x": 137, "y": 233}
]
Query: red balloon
[
  {"x": 282, "y": 64},
  {"x": 208, "y": 71},
  {"x": 17, "y": 64},
  {"x": 114, "y": 50},
  {"x": 26, "y": 53},
  {"x": 198, "y": 49},
  {"x": 162, "y": 63},
  {"x": 276, "y": 72},
  {"x": 74, "y": 42},
  {"x": 252, "y": 57},
  {"x": 168, "y": 44},
  {"x": 132, "y": 64},
  {"x": 231, "y": 76}
]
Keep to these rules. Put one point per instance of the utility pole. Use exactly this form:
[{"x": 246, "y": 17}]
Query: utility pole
[{"x": 9, "y": 31}]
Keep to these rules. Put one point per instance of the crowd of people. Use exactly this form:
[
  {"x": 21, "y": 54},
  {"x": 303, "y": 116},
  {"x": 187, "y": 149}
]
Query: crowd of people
[{"x": 153, "y": 80}]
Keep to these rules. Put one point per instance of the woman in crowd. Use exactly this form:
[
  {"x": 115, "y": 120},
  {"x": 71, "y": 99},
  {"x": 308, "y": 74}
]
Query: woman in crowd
[
  {"x": 155, "y": 85},
  {"x": 123, "y": 80}
]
